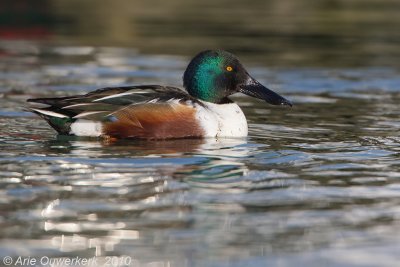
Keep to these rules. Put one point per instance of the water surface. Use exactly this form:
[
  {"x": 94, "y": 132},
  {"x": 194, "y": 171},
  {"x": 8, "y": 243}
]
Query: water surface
[{"x": 315, "y": 185}]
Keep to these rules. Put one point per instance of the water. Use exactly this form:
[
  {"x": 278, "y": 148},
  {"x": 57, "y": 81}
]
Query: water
[{"x": 315, "y": 185}]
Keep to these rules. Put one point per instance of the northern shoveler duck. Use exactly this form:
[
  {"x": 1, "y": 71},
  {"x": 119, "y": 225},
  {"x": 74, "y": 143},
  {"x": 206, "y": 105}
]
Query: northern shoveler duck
[{"x": 163, "y": 112}]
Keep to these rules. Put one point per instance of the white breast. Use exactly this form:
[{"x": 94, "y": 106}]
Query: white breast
[{"x": 222, "y": 120}]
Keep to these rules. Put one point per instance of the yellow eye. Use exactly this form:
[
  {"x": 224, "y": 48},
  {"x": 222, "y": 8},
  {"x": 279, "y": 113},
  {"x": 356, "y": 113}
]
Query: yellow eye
[{"x": 229, "y": 68}]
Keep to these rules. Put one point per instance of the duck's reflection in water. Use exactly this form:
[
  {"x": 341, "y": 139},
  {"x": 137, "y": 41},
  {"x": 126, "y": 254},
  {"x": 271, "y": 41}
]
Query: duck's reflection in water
[
  {"x": 178, "y": 153},
  {"x": 117, "y": 192}
]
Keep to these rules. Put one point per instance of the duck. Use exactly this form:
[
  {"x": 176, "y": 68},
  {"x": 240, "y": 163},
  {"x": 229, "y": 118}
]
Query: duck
[{"x": 202, "y": 109}]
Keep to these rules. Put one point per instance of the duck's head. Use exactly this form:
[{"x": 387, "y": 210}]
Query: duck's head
[{"x": 213, "y": 75}]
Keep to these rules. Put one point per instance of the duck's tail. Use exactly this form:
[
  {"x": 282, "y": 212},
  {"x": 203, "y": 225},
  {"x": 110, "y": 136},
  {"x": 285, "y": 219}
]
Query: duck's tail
[{"x": 58, "y": 119}]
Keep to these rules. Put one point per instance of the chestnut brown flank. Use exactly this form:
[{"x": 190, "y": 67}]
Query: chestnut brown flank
[{"x": 154, "y": 121}]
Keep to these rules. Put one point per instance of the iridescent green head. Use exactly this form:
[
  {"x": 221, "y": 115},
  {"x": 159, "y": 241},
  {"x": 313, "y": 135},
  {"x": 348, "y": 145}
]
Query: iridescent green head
[{"x": 213, "y": 75}]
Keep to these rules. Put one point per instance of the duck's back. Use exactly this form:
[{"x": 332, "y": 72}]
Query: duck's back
[{"x": 145, "y": 112}]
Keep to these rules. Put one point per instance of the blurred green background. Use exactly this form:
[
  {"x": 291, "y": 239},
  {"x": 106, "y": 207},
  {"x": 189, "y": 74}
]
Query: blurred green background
[{"x": 276, "y": 32}]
